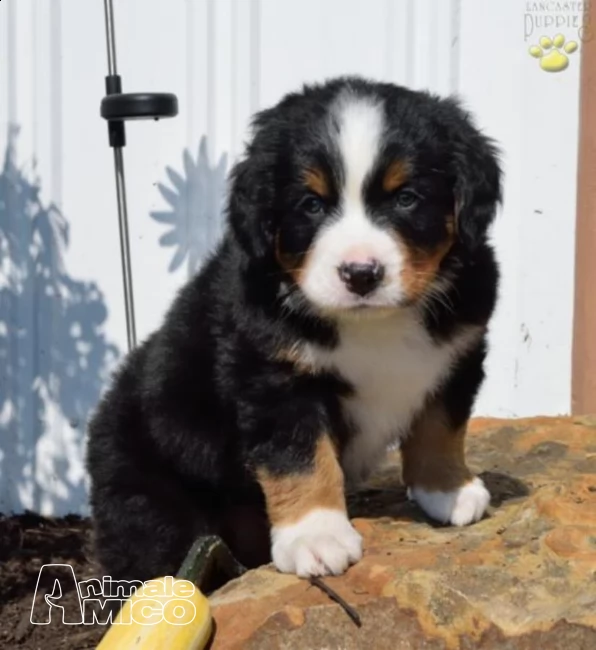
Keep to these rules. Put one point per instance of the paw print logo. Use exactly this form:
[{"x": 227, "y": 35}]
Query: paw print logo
[{"x": 552, "y": 53}]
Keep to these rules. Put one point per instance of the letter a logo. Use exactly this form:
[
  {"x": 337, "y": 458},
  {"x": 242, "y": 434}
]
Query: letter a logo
[{"x": 53, "y": 583}]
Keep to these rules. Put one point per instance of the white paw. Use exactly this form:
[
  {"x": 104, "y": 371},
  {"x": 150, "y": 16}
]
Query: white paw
[
  {"x": 459, "y": 507},
  {"x": 321, "y": 543}
]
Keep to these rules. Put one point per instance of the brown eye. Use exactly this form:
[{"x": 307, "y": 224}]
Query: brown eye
[
  {"x": 312, "y": 205},
  {"x": 407, "y": 199}
]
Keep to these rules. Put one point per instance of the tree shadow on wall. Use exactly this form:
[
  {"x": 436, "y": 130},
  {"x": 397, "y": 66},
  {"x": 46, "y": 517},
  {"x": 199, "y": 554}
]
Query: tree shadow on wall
[
  {"x": 196, "y": 206},
  {"x": 54, "y": 356}
]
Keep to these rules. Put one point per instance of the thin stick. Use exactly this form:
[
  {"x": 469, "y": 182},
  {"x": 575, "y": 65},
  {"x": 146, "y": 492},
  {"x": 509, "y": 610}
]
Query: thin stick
[{"x": 350, "y": 611}]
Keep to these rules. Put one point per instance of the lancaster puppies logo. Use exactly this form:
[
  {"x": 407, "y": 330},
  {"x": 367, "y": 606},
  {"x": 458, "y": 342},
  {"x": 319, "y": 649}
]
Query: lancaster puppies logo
[
  {"x": 555, "y": 31},
  {"x": 96, "y": 601}
]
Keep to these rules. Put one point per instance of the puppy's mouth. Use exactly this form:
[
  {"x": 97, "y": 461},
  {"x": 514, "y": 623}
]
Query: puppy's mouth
[
  {"x": 366, "y": 312},
  {"x": 352, "y": 306},
  {"x": 368, "y": 304}
]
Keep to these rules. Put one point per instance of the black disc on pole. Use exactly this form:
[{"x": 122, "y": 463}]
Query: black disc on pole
[{"x": 139, "y": 106}]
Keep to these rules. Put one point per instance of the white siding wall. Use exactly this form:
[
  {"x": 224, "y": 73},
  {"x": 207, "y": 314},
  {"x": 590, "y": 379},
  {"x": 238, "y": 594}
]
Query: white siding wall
[{"x": 62, "y": 324}]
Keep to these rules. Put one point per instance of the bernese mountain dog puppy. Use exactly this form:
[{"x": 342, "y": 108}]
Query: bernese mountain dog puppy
[{"x": 344, "y": 310}]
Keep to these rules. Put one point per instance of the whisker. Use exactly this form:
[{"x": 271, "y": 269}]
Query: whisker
[{"x": 438, "y": 294}]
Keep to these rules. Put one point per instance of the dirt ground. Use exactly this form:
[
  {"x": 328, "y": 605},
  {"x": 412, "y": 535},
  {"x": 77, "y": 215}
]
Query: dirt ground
[{"x": 26, "y": 543}]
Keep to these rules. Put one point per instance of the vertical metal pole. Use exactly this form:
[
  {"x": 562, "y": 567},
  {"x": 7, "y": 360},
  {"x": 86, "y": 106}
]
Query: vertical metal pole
[
  {"x": 131, "y": 331},
  {"x": 121, "y": 194},
  {"x": 111, "y": 37}
]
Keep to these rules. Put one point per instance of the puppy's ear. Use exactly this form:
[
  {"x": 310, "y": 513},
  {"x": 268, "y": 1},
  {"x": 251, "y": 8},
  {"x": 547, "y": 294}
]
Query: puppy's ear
[
  {"x": 249, "y": 207},
  {"x": 477, "y": 182}
]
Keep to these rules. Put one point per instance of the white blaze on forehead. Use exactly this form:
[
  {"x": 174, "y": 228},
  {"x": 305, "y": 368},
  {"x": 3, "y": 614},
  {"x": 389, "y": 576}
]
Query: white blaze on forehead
[
  {"x": 361, "y": 126},
  {"x": 352, "y": 236}
]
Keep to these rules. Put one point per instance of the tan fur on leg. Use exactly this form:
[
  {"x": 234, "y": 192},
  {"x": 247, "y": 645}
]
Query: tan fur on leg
[
  {"x": 310, "y": 531},
  {"x": 433, "y": 454},
  {"x": 435, "y": 471},
  {"x": 290, "y": 497}
]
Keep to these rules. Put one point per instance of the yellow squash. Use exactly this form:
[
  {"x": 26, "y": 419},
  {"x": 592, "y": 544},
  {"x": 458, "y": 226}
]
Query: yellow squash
[
  {"x": 164, "y": 614},
  {"x": 172, "y": 613}
]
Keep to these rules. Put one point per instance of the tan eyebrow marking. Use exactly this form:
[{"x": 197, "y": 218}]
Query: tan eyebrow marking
[
  {"x": 316, "y": 181},
  {"x": 396, "y": 175}
]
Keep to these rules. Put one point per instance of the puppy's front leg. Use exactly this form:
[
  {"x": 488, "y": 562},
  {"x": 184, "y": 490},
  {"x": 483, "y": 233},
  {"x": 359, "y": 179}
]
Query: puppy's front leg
[
  {"x": 435, "y": 470},
  {"x": 310, "y": 531}
]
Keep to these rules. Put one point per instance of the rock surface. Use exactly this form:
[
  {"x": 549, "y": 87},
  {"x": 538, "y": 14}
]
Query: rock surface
[{"x": 522, "y": 578}]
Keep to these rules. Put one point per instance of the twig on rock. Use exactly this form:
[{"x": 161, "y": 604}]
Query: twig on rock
[{"x": 350, "y": 611}]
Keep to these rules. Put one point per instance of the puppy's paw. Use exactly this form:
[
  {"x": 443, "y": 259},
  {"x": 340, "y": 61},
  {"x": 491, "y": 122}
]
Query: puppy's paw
[
  {"x": 321, "y": 543},
  {"x": 459, "y": 507}
]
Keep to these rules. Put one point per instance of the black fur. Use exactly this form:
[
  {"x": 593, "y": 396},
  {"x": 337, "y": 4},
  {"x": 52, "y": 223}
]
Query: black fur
[{"x": 204, "y": 401}]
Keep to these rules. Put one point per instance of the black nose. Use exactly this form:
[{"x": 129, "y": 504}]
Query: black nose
[{"x": 361, "y": 277}]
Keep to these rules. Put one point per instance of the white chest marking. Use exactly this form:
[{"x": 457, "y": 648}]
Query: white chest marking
[{"x": 392, "y": 364}]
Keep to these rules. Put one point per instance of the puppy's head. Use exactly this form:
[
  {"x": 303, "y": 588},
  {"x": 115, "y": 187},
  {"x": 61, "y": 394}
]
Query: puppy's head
[{"x": 357, "y": 192}]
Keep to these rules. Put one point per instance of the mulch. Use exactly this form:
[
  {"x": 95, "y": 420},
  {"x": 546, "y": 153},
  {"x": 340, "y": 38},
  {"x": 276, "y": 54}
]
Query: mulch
[{"x": 27, "y": 542}]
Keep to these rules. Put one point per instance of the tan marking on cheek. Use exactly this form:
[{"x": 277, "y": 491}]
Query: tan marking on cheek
[
  {"x": 396, "y": 175},
  {"x": 421, "y": 266},
  {"x": 433, "y": 455},
  {"x": 292, "y": 496},
  {"x": 317, "y": 182},
  {"x": 293, "y": 265}
]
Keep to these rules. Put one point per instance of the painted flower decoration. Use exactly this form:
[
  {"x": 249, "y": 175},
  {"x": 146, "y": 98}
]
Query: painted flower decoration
[{"x": 196, "y": 206}]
